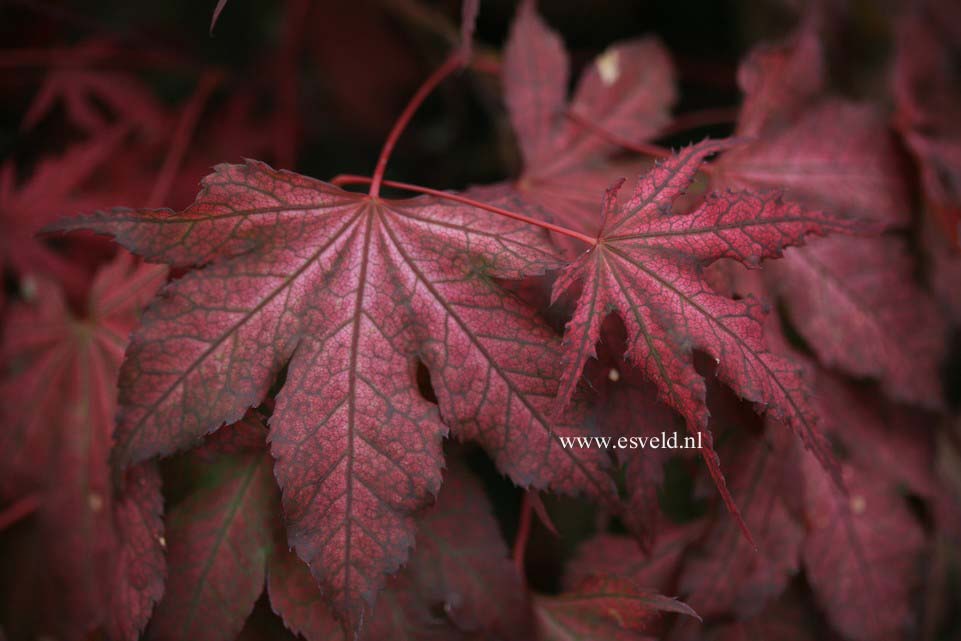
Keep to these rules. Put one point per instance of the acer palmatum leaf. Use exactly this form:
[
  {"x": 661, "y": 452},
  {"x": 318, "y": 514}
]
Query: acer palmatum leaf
[
  {"x": 96, "y": 101},
  {"x": 791, "y": 618},
  {"x": 927, "y": 100},
  {"x": 646, "y": 268},
  {"x": 861, "y": 554},
  {"x": 614, "y": 555},
  {"x": 603, "y": 608},
  {"x": 726, "y": 575},
  {"x": 218, "y": 539},
  {"x": 58, "y": 405},
  {"x": 460, "y": 567},
  {"x": 627, "y": 406},
  {"x": 856, "y": 303},
  {"x": 780, "y": 79},
  {"x": 627, "y": 91},
  {"x": 837, "y": 155},
  {"x": 348, "y": 292},
  {"x": 138, "y": 581},
  {"x": 56, "y": 185}
]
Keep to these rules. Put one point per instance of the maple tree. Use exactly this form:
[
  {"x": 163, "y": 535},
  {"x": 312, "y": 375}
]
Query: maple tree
[{"x": 368, "y": 408}]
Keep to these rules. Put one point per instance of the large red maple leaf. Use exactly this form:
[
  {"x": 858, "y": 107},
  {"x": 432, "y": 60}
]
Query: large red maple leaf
[
  {"x": 646, "y": 267},
  {"x": 348, "y": 292}
]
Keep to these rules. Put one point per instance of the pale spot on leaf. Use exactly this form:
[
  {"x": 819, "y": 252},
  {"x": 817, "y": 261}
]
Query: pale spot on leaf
[
  {"x": 609, "y": 67},
  {"x": 95, "y": 501},
  {"x": 858, "y": 504}
]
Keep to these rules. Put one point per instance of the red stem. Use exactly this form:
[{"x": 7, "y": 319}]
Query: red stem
[
  {"x": 349, "y": 179},
  {"x": 450, "y": 65},
  {"x": 702, "y": 118},
  {"x": 523, "y": 533},
  {"x": 181, "y": 138},
  {"x": 21, "y": 509},
  {"x": 639, "y": 147},
  {"x": 642, "y": 148}
]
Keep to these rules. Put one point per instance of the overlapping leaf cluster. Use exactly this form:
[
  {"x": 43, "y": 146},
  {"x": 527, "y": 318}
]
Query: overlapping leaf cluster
[{"x": 322, "y": 370}]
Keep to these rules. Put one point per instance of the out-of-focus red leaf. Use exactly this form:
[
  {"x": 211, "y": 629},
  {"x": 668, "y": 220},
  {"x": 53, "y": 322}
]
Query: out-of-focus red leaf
[
  {"x": 627, "y": 91},
  {"x": 620, "y": 556},
  {"x": 219, "y": 537},
  {"x": 459, "y": 583},
  {"x": 59, "y": 399},
  {"x": 895, "y": 443},
  {"x": 603, "y": 608},
  {"x": 349, "y": 292},
  {"x": 859, "y": 308},
  {"x": 780, "y": 79},
  {"x": 787, "y": 619},
  {"x": 627, "y": 406},
  {"x": 55, "y": 188},
  {"x": 98, "y": 101},
  {"x": 726, "y": 575},
  {"x": 861, "y": 553},
  {"x": 925, "y": 87},
  {"x": 837, "y": 155},
  {"x": 826, "y": 152}
]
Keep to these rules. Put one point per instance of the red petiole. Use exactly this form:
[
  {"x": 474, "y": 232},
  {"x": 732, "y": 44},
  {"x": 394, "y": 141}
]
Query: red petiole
[{"x": 349, "y": 179}]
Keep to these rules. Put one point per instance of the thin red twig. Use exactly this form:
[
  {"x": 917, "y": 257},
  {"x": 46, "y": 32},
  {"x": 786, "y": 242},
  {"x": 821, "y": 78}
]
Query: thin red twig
[
  {"x": 523, "y": 533},
  {"x": 452, "y": 64},
  {"x": 182, "y": 136},
  {"x": 349, "y": 179},
  {"x": 702, "y": 118},
  {"x": 642, "y": 148},
  {"x": 21, "y": 509}
]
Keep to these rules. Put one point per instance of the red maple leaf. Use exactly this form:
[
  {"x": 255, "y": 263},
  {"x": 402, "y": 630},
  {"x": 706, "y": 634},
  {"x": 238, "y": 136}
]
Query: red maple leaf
[
  {"x": 86, "y": 92},
  {"x": 627, "y": 407},
  {"x": 53, "y": 189},
  {"x": 927, "y": 99},
  {"x": 858, "y": 306},
  {"x": 226, "y": 537},
  {"x": 97, "y": 553},
  {"x": 627, "y": 92},
  {"x": 855, "y": 302},
  {"x": 646, "y": 267},
  {"x": 621, "y": 556},
  {"x": 861, "y": 553},
  {"x": 727, "y": 575},
  {"x": 603, "y": 608},
  {"x": 791, "y": 618},
  {"x": 823, "y": 151},
  {"x": 219, "y": 538},
  {"x": 348, "y": 292}
]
